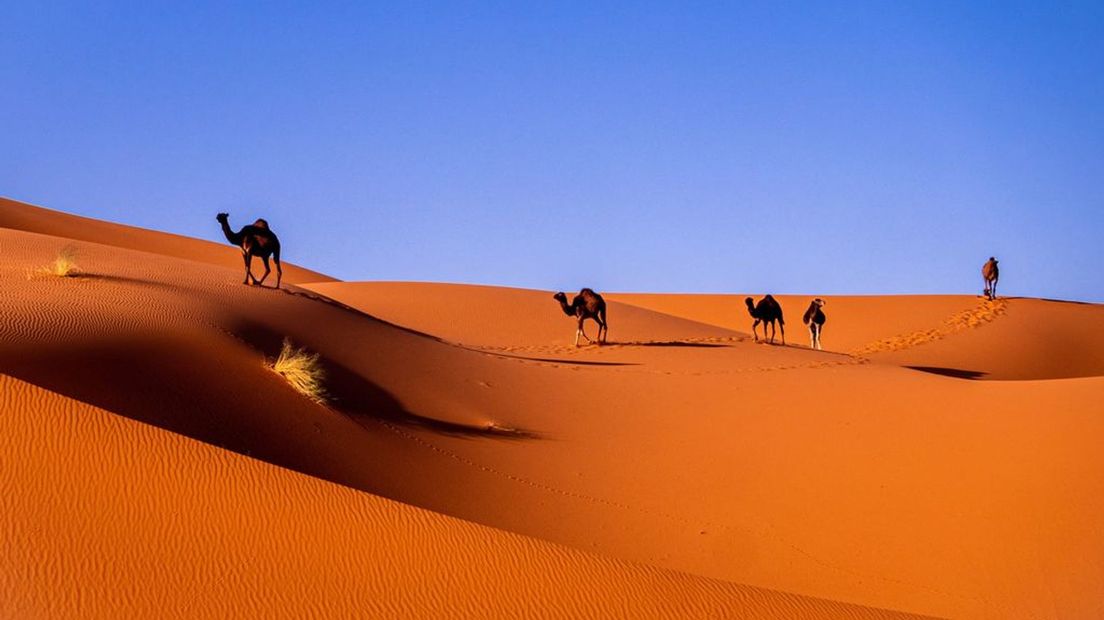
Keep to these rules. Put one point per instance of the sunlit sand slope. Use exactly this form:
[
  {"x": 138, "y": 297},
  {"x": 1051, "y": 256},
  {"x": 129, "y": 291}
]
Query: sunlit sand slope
[
  {"x": 105, "y": 518},
  {"x": 685, "y": 446},
  {"x": 506, "y": 319},
  {"x": 22, "y": 216},
  {"x": 960, "y": 336}
]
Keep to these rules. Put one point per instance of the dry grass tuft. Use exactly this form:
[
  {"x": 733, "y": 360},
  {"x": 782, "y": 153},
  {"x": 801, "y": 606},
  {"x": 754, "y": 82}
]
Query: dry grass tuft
[
  {"x": 302, "y": 371},
  {"x": 64, "y": 266}
]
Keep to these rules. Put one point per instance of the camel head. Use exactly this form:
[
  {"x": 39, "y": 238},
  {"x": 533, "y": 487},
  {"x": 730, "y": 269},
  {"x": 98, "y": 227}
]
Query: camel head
[
  {"x": 819, "y": 302},
  {"x": 569, "y": 309},
  {"x": 750, "y": 302},
  {"x": 222, "y": 217}
]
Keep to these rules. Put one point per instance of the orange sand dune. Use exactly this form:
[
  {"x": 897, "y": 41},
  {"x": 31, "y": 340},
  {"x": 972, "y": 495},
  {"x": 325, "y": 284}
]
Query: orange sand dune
[
  {"x": 684, "y": 447},
  {"x": 853, "y": 321},
  {"x": 26, "y": 217},
  {"x": 105, "y": 517},
  {"x": 1033, "y": 338},
  {"x": 1027, "y": 339},
  {"x": 505, "y": 318},
  {"x": 529, "y": 325}
]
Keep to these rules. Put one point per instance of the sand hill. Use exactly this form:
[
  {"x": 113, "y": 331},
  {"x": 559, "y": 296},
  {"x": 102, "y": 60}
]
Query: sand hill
[{"x": 940, "y": 457}]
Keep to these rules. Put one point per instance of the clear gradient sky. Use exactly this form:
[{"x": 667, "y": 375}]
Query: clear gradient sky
[{"x": 862, "y": 148}]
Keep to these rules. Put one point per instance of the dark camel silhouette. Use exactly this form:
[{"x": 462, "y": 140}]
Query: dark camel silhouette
[
  {"x": 586, "y": 305},
  {"x": 767, "y": 311},
  {"x": 814, "y": 318},
  {"x": 990, "y": 274},
  {"x": 255, "y": 240}
]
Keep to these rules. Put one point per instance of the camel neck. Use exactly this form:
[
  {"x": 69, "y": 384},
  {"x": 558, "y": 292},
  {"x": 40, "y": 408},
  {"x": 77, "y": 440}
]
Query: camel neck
[{"x": 231, "y": 236}]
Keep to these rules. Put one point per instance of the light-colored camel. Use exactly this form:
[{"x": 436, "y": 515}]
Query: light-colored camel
[
  {"x": 990, "y": 273},
  {"x": 815, "y": 319}
]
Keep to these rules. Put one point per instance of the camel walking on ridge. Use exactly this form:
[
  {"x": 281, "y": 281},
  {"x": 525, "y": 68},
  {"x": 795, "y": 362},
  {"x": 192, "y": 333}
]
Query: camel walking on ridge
[
  {"x": 586, "y": 305},
  {"x": 254, "y": 240},
  {"x": 767, "y": 311},
  {"x": 990, "y": 273},
  {"x": 815, "y": 319}
]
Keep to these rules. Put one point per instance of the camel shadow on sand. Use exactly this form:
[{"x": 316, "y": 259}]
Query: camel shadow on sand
[
  {"x": 957, "y": 373},
  {"x": 670, "y": 344}
]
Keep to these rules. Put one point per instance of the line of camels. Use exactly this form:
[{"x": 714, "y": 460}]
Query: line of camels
[
  {"x": 258, "y": 240},
  {"x": 590, "y": 305}
]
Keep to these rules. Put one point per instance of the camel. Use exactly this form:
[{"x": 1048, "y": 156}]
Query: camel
[
  {"x": 255, "y": 240},
  {"x": 814, "y": 318},
  {"x": 990, "y": 274},
  {"x": 767, "y": 311},
  {"x": 586, "y": 305}
]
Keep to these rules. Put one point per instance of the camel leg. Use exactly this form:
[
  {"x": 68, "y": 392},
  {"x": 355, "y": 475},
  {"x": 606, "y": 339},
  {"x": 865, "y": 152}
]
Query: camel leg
[
  {"x": 755, "y": 333},
  {"x": 268, "y": 270},
  {"x": 279, "y": 269},
  {"x": 248, "y": 258},
  {"x": 582, "y": 329},
  {"x": 994, "y": 296},
  {"x": 812, "y": 335}
]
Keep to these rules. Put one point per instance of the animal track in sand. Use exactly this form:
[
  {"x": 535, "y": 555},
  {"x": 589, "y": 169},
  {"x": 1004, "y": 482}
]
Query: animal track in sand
[{"x": 978, "y": 316}]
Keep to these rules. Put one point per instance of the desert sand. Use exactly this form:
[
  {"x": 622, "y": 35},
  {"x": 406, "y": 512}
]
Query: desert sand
[{"x": 940, "y": 457}]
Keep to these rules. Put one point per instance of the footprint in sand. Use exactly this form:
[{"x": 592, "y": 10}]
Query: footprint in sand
[{"x": 985, "y": 312}]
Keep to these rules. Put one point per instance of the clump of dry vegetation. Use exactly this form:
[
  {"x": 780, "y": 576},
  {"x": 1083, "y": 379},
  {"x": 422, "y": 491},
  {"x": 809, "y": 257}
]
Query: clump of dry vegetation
[
  {"x": 302, "y": 370},
  {"x": 64, "y": 266}
]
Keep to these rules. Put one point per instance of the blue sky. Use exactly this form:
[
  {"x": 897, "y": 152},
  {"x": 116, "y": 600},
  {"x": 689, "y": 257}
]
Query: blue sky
[{"x": 773, "y": 147}]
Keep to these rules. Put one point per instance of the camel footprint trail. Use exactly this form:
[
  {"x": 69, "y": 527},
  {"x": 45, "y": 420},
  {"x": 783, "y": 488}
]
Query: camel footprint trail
[{"x": 985, "y": 312}]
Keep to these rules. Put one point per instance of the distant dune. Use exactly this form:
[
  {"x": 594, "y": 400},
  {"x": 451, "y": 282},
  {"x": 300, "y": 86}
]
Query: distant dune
[
  {"x": 940, "y": 457},
  {"x": 29, "y": 218}
]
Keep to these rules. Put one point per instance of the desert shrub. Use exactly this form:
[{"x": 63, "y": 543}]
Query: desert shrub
[
  {"x": 65, "y": 265},
  {"x": 302, "y": 370}
]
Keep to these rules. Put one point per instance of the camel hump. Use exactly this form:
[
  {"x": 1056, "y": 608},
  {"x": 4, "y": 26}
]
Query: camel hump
[
  {"x": 777, "y": 306},
  {"x": 587, "y": 291},
  {"x": 989, "y": 269},
  {"x": 261, "y": 223}
]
